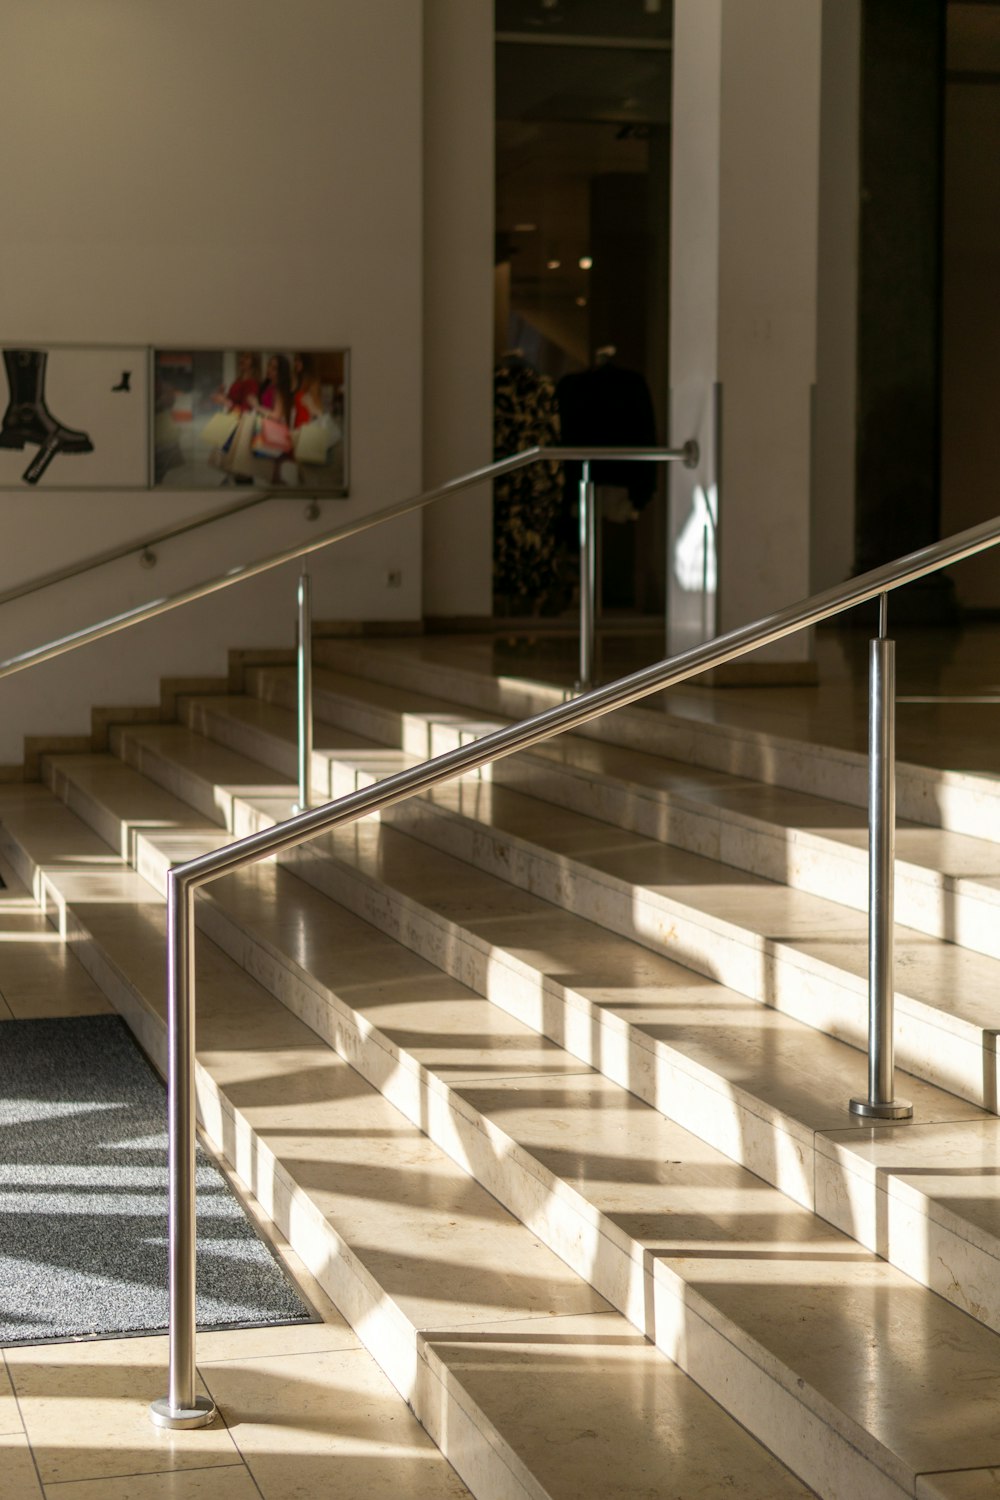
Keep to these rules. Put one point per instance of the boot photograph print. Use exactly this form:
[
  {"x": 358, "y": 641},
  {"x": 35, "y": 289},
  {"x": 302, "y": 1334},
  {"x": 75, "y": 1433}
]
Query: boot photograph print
[
  {"x": 83, "y": 410},
  {"x": 27, "y": 418}
]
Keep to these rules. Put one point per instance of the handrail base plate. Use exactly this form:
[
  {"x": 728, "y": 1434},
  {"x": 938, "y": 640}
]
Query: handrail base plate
[
  {"x": 199, "y": 1415},
  {"x": 869, "y": 1109}
]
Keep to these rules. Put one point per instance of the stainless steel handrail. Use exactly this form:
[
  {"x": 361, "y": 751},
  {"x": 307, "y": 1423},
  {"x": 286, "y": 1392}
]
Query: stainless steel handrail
[
  {"x": 181, "y": 1407},
  {"x": 153, "y": 607},
  {"x": 140, "y": 544}
]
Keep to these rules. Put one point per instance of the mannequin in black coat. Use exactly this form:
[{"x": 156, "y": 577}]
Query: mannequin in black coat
[{"x": 609, "y": 406}]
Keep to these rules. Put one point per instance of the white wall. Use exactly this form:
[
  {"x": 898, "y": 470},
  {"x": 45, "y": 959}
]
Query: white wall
[
  {"x": 458, "y": 300},
  {"x": 834, "y": 430},
  {"x": 224, "y": 174}
]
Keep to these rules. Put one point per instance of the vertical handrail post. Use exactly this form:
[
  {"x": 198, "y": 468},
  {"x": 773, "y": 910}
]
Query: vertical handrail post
[
  {"x": 181, "y": 1407},
  {"x": 880, "y": 1103},
  {"x": 588, "y": 578},
  {"x": 305, "y": 702}
]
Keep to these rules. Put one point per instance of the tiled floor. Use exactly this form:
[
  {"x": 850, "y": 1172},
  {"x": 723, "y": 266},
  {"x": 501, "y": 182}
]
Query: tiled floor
[{"x": 304, "y": 1409}]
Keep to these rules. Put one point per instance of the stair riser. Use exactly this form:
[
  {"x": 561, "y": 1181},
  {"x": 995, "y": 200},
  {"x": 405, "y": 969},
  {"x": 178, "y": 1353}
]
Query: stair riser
[
  {"x": 964, "y": 804},
  {"x": 243, "y": 738},
  {"x": 821, "y": 996},
  {"x": 935, "y": 1256},
  {"x": 959, "y": 911},
  {"x": 460, "y": 1131},
  {"x": 794, "y": 1163},
  {"x": 769, "y": 1145},
  {"x": 799, "y": 1423},
  {"x": 587, "y": 1241},
  {"x": 103, "y": 822},
  {"x": 774, "y": 973},
  {"x": 256, "y": 744},
  {"x": 213, "y": 802},
  {"x": 827, "y": 1000},
  {"x": 829, "y": 1463},
  {"x": 890, "y": 1221}
]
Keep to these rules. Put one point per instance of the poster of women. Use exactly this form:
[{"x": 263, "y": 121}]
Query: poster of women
[{"x": 271, "y": 418}]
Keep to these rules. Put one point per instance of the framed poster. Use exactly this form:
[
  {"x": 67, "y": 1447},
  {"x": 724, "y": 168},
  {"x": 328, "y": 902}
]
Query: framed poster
[
  {"x": 276, "y": 419},
  {"x": 75, "y": 417}
]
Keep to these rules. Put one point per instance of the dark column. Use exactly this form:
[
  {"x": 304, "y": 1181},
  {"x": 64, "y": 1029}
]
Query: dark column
[{"x": 899, "y": 290}]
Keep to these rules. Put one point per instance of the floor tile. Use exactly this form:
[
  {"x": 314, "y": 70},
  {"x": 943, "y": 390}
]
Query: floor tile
[
  {"x": 40, "y": 977},
  {"x": 317, "y": 1424},
  {"x": 10, "y": 1417},
  {"x": 86, "y": 1411},
  {"x": 18, "y": 1476},
  {"x": 232, "y": 1483}
]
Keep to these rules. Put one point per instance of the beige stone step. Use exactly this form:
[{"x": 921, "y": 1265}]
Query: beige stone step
[
  {"x": 947, "y": 884},
  {"x": 765, "y": 1090},
  {"x": 469, "y": 1314},
  {"x": 964, "y": 802},
  {"x": 784, "y": 947},
  {"x": 775, "y": 1312}
]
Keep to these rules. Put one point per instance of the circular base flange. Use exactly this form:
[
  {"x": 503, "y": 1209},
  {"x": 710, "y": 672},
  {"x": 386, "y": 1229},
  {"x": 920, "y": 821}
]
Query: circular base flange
[
  {"x": 897, "y": 1109},
  {"x": 198, "y": 1415}
]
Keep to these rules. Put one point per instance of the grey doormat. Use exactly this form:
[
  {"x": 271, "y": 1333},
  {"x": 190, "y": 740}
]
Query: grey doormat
[{"x": 83, "y": 1197}]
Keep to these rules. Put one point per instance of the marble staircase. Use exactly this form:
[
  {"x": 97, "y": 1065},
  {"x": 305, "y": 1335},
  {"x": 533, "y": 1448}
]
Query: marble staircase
[{"x": 544, "y": 1075}]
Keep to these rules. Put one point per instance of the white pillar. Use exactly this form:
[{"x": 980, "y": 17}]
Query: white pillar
[{"x": 745, "y": 195}]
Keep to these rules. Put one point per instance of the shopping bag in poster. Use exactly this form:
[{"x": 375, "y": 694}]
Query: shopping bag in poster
[
  {"x": 314, "y": 441},
  {"x": 219, "y": 428},
  {"x": 238, "y": 458},
  {"x": 273, "y": 439}
]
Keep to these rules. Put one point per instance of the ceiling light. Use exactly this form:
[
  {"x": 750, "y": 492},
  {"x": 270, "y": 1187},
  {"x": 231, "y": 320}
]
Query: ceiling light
[
  {"x": 525, "y": 228},
  {"x": 585, "y": 262},
  {"x": 553, "y": 265},
  {"x": 581, "y": 301}
]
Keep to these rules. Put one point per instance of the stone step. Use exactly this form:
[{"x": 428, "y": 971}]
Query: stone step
[
  {"x": 507, "y": 1356},
  {"x": 761, "y": 1088},
  {"x": 960, "y": 801},
  {"x": 947, "y": 884},
  {"x": 720, "y": 1269},
  {"x": 795, "y": 952}
]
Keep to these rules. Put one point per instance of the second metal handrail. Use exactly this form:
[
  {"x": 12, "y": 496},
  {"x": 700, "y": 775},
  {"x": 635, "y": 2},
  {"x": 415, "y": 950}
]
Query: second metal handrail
[
  {"x": 242, "y": 571},
  {"x": 182, "y": 1407},
  {"x": 139, "y": 544},
  {"x": 687, "y": 454}
]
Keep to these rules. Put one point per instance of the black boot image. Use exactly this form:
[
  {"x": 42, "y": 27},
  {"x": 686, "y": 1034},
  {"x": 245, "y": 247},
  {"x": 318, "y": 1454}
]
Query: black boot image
[{"x": 27, "y": 418}]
